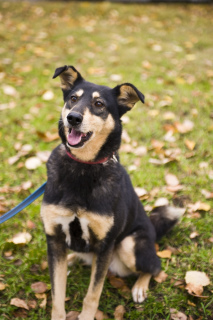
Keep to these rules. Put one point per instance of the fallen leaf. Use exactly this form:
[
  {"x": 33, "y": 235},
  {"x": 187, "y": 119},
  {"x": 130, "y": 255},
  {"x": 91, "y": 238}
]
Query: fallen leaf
[
  {"x": 39, "y": 287},
  {"x": 125, "y": 136},
  {"x": 161, "y": 202},
  {"x": 207, "y": 194},
  {"x": 43, "y": 155},
  {"x": 19, "y": 303},
  {"x": 119, "y": 312},
  {"x": 190, "y": 144},
  {"x": 161, "y": 277},
  {"x": 2, "y": 286},
  {"x": 21, "y": 238},
  {"x": 156, "y": 144},
  {"x": 72, "y": 315},
  {"x": 164, "y": 254},
  {"x": 100, "y": 315},
  {"x": 194, "y": 235},
  {"x": 141, "y": 192},
  {"x": 32, "y": 304},
  {"x": 195, "y": 281},
  {"x": 42, "y": 296},
  {"x": 33, "y": 163},
  {"x": 184, "y": 127},
  {"x": 47, "y": 136},
  {"x": 115, "y": 77},
  {"x": 120, "y": 284},
  {"x": 48, "y": 95},
  {"x": 26, "y": 185},
  {"x": 9, "y": 90},
  {"x": 199, "y": 206},
  {"x": 171, "y": 180},
  {"x": 177, "y": 315}
]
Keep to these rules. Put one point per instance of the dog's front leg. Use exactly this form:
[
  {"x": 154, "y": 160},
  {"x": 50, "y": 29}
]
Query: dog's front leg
[
  {"x": 57, "y": 261},
  {"x": 100, "y": 266}
]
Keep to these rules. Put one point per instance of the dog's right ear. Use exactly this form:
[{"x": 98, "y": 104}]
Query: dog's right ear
[{"x": 68, "y": 75}]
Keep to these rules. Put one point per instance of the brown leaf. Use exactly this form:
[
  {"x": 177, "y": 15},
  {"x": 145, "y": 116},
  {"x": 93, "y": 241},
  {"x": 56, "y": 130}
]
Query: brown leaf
[
  {"x": 161, "y": 202},
  {"x": 195, "y": 281},
  {"x": 21, "y": 238},
  {"x": 32, "y": 304},
  {"x": 141, "y": 192},
  {"x": 119, "y": 283},
  {"x": 193, "y": 235},
  {"x": 171, "y": 180},
  {"x": 2, "y": 286},
  {"x": 177, "y": 315},
  {"x": 119, "y": 312},
  {"x": 164, "y": 254},
  {"x": 32, "y": 163},
  {"x": 161, "y": 277},
  {"x": 47, "y": 136},
  {"x": 72, "y": 315},
  {"x": 184, "y": 127},
  {"x": 19, "y": 303},
  {"x": 39, "y": 287},
  {"x": 207, "y": 194},
  {"x": 190, "y": 144},
  {"x": 100, "y": 315}
]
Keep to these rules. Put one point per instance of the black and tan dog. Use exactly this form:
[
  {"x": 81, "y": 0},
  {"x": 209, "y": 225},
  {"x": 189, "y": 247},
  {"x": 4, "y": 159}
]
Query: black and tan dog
[{"x": 89, "y": 203}]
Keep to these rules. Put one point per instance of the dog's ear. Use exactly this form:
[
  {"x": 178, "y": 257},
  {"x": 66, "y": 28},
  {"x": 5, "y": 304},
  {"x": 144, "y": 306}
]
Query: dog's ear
[
  {"x": 68, "y": 75},
  {"x": 127, "y": 95}
]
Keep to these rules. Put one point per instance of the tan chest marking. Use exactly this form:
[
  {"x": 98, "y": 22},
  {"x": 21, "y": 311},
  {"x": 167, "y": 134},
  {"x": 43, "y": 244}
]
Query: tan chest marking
[{"x": 53, "y": 215}]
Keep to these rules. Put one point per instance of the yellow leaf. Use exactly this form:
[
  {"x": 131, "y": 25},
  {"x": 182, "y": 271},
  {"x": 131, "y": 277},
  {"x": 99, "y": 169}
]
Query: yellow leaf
[
  {"x": 190, "y": 144},
  {"x": 165, "y": 254}
]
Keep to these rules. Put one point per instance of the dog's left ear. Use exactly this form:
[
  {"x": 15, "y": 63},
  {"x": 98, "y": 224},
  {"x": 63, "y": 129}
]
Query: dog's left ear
[
  {"x": 68, "y": 75},
  {"x": 127, "y": 95}
]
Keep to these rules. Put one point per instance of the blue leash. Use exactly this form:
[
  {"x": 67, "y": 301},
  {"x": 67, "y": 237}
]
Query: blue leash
[{"x": 26, "y": 202}]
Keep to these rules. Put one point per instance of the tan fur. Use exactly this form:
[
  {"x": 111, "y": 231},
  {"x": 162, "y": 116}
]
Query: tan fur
[
  {"x": 49, "y": 215},
  {"x": 140, "y": 288},
  {"x": 125, "y": 251},
  {"x": 128, "y": 96},
  {"x": 101, "y": 130},
  {"x": 91, "y": 300},
  {"x": 53, "y": 215},
  {"x": 79, "y": 93},
  {"x": 58, "y": 297},
  {"x": 96, "y": 94},
  {"x": 68, "y": 77}
]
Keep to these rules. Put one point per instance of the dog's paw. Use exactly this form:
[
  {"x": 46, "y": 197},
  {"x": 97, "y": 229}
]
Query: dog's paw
[
  {"x": 83, "y": 316},
  {"x": 139, "y": 293}
]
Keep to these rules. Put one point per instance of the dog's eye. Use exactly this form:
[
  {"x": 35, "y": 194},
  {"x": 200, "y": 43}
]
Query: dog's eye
[
  {"x": 73, "y": 98},
  {"x": 99, "y": 104}
]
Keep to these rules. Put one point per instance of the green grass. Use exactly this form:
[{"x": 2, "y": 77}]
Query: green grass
[{"x": 101, "y": 39}]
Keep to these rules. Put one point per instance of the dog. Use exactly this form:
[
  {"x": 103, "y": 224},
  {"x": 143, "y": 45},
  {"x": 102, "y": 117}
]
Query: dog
[{"x": 89, "y": 204}]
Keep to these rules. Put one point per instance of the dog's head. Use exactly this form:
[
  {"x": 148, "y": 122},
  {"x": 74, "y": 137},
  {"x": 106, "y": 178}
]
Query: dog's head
[{"x": 90, "y": 125}]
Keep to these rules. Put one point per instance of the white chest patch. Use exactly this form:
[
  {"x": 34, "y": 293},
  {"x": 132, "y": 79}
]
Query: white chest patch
[
  {"x": 84, "y": 227},
  {"x": 65, "y": 221}
]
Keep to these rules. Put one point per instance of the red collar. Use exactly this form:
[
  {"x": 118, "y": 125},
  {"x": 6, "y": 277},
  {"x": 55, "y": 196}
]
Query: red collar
[{"x": 104, "y": 160}]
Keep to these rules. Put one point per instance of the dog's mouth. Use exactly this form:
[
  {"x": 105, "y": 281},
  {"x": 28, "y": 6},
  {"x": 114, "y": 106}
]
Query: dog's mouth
[{"x": 77, "y": 138}]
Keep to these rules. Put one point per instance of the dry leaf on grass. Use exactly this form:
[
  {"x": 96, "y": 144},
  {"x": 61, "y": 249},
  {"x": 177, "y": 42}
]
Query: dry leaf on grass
[
  {"x": 48, "y": 95},
  {"x": 2, "y": 286},
  {"x": 120, "y": 284},
  {"x": 19, "y": 303},
  {"x": 190, "y": 144},
  {"x": 161, "y": 202},
  {"x": 33, "y": 163},
  {"x": 72, "y": 315},
  {"x": 177, "y": 315},
  {"x": 42, "y": 296},
  {"x": 161, "y": 277},
  {"x": 195, "y": 281},
  {"x": 199, "y": 206},
  {"x": 119, "y": 312},
  {"x": 171, "y": 180},
  {"x": 141, "y": 192},
  {"x": 100, "y": 315},
  {"x": 21, "y": 238},
  {"x": 39, "y": 287},
  {"x": 164, "y": 254},
  {"x": 32, "y": 304}
]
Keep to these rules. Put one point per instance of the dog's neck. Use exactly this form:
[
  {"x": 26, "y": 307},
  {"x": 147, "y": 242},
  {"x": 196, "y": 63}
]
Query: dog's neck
[{"x": 100, "y": 161}]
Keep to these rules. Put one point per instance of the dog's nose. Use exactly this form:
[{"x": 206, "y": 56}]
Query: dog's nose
[{"x": 74, "y": 118}]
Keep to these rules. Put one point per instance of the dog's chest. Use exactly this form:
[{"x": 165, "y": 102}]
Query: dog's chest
[{"x": 80, "y": 227}]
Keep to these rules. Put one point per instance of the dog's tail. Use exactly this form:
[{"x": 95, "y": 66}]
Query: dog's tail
[{"x": 164, "y": 218}]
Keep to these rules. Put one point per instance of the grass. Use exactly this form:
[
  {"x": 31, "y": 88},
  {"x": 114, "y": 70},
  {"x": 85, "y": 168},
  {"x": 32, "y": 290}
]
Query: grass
[{"x": 166, "y": 51}]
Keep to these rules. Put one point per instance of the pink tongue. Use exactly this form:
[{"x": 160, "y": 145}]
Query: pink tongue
[{"x": 74, "y": 137}]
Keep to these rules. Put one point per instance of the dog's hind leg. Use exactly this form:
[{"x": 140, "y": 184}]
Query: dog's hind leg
[
  {"x": 139, "y": 256},
  {"x": 57, "y": 261},
  {"x": 100, "y": 266}
]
